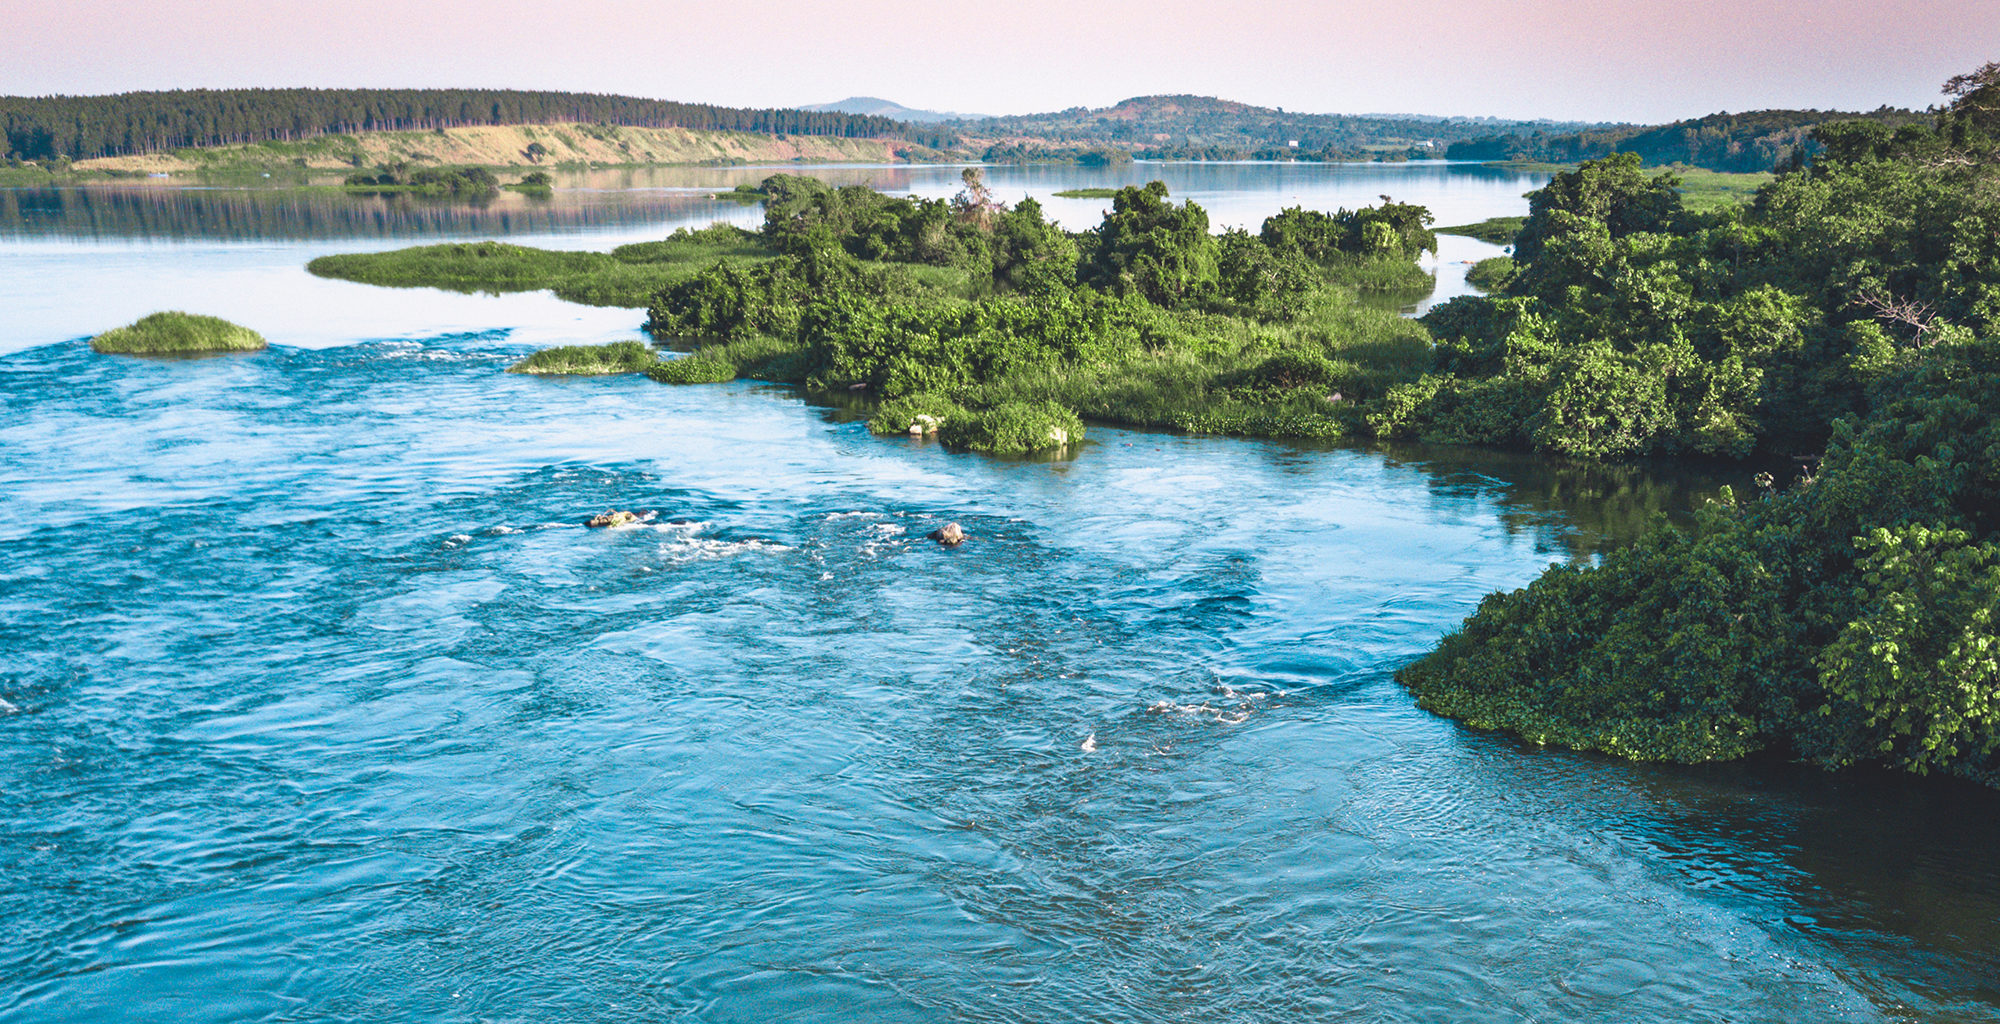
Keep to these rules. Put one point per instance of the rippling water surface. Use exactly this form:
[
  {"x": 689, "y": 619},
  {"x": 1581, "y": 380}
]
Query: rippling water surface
[{"x": 319, "y": 704}]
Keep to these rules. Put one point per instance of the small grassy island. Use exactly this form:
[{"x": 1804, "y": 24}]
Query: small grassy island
[
  {"x": 173, "y": 334},
  {"x": 589, "y": 360},
  {"x": 1087, "y": 193}
]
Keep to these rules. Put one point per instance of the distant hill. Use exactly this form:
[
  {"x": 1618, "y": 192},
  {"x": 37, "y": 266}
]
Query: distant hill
[
  {"x": 1206, "y": 127},
  {"x": 1756, "y": 140},
  {"x": 875, "y": 106}
]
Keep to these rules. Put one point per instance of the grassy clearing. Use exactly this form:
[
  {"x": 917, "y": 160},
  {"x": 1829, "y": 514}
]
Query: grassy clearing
[
  {"x": 174, "y": 333},
  {"x": 617, "y": 357},
  {"x": 626, "y": 277},
  {"x": 1497, "y": 230}
]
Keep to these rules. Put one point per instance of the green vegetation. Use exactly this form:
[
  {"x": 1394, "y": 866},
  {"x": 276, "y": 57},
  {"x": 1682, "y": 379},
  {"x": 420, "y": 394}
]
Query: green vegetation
[
  {"x": 1850, "y": 618},
  {"x": 172, "y": 333},
  {"x": 1497, "y": 230},
  {"x": 1086, "y": 193},
  {"x": 627, "y": 276},
  {"x": 1704, "y": 190},
  {"x": 537, "y": 184},
  {"x": 1754, "y": 141},
  {"x": 692, "y": 370},
  {"x": 1492, "y": 274},
  {"x": 1009, "y": 331},
  {"x": 1182, "y": 127},
  {"x": 617, "y": 357},
  {"x": 82, "y": 127},
  {"x": 428, "y": 181}
]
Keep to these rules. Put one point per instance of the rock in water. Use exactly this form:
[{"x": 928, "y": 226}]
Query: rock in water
[
  {"x": 950, "y": 535},
  {"x": 613, "y": 519}
]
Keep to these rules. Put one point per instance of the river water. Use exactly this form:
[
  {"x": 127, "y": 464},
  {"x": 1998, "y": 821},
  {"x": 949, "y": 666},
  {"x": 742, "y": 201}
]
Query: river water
[{"x": 319, "y": 704}]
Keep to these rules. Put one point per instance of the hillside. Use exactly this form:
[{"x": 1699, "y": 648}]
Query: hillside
[
  {"x": 126, "y": 124},
  {"x": 510, "y": 146}
]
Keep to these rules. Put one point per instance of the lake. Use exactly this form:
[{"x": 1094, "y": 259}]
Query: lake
[{"x": 317, "y": 702}]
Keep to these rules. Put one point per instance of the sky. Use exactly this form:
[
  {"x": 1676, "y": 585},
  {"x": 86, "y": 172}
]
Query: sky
[{"x": 1612, "y": 60}]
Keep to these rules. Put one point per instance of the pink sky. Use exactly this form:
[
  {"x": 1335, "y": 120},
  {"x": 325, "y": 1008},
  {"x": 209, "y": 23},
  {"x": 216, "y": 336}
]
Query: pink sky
[{"x": 1609, "y": 59}]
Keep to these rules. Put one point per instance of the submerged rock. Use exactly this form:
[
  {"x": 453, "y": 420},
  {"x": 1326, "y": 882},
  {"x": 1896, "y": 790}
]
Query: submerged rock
[
  {"x": 950, "y": 535},
  {"x": 613, "y": 519}
]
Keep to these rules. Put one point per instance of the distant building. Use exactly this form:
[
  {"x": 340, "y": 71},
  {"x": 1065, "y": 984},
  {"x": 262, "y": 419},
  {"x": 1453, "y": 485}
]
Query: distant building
[{"x": 1294, "y": 143}]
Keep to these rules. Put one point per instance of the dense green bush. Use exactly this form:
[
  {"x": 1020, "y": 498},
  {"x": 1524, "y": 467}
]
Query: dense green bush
[
  {"x": 1013, "y": 428},
  {"x": 1492, "y": 274},
  {"x": 1721, "y": 332},
  {"x": 174, "y": 333},
  {"x": 1850, "y": 618}
]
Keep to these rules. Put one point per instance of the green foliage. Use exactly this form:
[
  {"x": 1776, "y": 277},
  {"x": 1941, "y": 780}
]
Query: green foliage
[
  {"x": 695, "y": 369},
  {"x": 1744, "y": 327},
  {"x": 428, "y": 181},
  {"x": 1492, "y": 274},
  {"x": 923, "y": 412},
  {"x": 1013, "y": 428},
  {"x": 1151, "y": 248},
  {"x": 1848, "y": 619},
  {"x": 81, "y": 127},
  {"x": 174, "y": 333},
  {"x": 617, "y": 357},
  {"x": 1399, "y": 231},
  {"x": 1086, "y": 193}
]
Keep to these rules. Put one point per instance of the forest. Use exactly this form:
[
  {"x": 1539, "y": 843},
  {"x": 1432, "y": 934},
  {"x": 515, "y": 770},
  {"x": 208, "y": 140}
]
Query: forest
[{"x": 84, "y": 127}]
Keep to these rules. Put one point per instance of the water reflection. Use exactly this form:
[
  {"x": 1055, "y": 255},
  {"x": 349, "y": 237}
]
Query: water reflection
[{"x": 1236, "y": 195}]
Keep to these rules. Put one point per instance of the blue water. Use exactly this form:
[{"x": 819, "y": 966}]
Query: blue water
[{"x": 320, "y": 704}]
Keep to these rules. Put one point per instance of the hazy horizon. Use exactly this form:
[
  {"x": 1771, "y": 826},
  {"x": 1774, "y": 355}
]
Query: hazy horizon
[{"x": 1614, "y": 60}]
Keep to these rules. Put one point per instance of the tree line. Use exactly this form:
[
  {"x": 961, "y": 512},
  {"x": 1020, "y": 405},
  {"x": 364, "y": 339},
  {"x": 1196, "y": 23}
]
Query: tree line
[
  {"x": 84, "y": 127},
  {"x": 1757, "y": 140}
]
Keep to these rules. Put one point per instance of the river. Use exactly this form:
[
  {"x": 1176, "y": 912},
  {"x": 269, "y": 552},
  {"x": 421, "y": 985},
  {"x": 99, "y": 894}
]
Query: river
[{"x": 316, "y": 702}]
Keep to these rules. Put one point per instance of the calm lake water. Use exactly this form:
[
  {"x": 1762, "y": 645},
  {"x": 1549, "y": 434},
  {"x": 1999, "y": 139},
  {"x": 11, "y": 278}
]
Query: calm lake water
[{"x": 317, "y": 704}]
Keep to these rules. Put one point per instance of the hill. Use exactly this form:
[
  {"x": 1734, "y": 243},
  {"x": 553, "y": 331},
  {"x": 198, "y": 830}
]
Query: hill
[
  {"x": 875, "y": 106},
  {"x": 1205, "y": 127}
]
